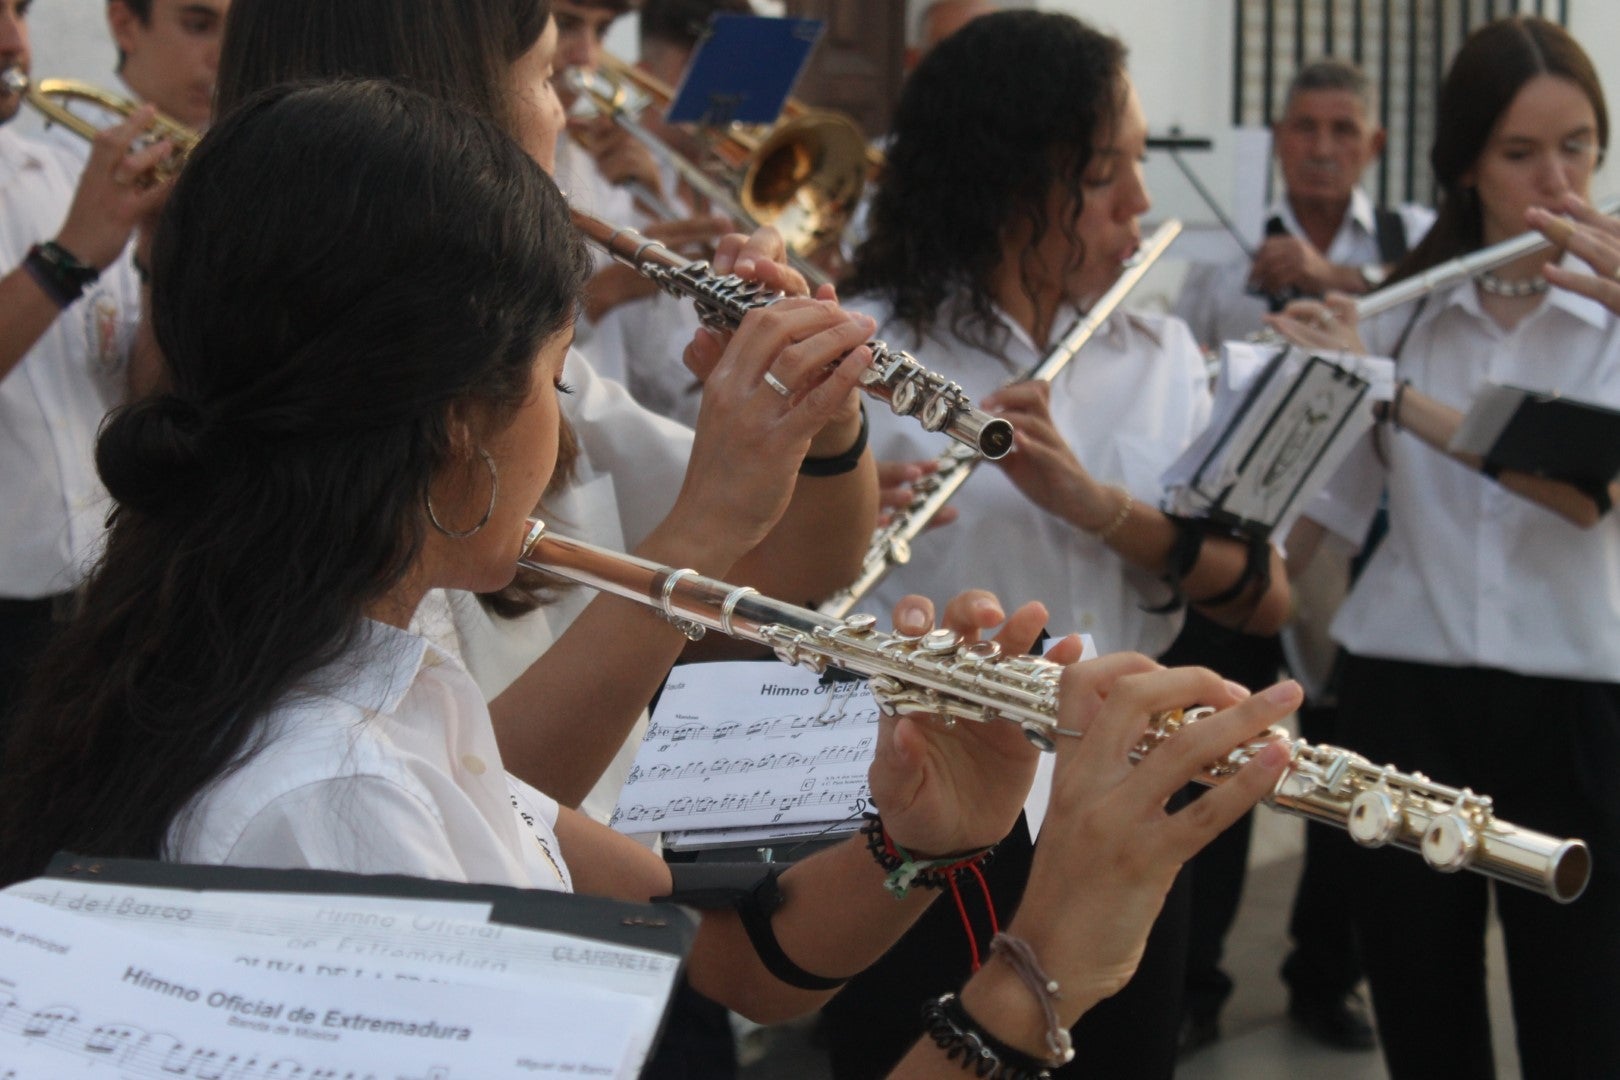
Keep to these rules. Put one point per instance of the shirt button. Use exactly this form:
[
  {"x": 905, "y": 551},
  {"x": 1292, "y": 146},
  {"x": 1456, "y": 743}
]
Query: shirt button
[{"x": 473, "y": 764}]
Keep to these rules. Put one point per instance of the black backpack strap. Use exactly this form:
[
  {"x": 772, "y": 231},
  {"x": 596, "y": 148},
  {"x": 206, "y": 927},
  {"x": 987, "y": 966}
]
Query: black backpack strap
[{"x": 1391, "y": 230}]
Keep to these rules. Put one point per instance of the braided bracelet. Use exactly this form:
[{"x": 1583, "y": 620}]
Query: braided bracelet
[
  {"x": 904, "y": 870},
  {"x": 960, "y": 1036}
]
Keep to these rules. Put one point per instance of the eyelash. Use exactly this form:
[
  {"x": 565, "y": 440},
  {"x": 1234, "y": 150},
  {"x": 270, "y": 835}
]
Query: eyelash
[{"x": 564, "y": 388}]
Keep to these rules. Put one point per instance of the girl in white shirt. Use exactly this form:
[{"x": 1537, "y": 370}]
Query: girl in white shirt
[
  {"x": 1482, "y": 635},
  {"x": 1010, "y": 200},
  {"x": 361, "y": 407}
]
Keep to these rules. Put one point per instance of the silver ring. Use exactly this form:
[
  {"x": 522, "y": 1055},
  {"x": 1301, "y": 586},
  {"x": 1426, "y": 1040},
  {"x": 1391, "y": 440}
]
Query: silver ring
[{"x": 778, "y": 385}]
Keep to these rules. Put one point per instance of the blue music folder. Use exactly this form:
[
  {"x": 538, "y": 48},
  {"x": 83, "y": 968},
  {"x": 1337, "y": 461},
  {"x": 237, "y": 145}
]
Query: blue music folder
[{"x": 743, "y": 70}]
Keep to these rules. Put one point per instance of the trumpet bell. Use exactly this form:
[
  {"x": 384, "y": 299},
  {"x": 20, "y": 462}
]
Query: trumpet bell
[{"x": 806, "y": 177}]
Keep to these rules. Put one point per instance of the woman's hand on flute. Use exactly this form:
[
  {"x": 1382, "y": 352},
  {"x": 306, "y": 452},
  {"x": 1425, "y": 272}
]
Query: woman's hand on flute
[
  {"x": 1592, "y": 237},
  {"x": 1108, "y": 850},
  {"x": 752, "y": 437},
  {"x": 1328, "y": 323},
  {"x": 943, "y": 790}
]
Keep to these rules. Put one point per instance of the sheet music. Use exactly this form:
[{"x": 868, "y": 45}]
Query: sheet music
[
  {"x": 755, "y": 754},
  {"x": 749, "y": 745},
  {"x": 362, "y": 937},
  {"x": 81, "y": 996},
  {"x": 1283, "y": 421}
]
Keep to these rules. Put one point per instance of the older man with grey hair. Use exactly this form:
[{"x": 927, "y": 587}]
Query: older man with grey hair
[{"x": 1325, "y": 232}]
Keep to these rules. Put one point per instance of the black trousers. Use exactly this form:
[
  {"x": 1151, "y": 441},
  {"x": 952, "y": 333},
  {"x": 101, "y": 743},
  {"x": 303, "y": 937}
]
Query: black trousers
[
  {"x": 877, "y": 1017},
  {"x": 1547, "y": 751},
  {"x": 1325, "y": 963},
  {"x": 1218, "y": 870}
]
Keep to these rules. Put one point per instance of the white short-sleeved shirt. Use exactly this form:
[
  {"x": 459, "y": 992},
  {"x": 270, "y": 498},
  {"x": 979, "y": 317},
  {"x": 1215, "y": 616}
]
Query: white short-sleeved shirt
[
  {"x": 640, "y": 344},
  {"x": 1471, "y": 574},
  {"x": 1215, "y": 301},
  {"x": 630, "y": 468},
  {"x": 1128, "y": 404},
  {"x": 52, "y": 403},
  {"x": 384, "y": 762}
]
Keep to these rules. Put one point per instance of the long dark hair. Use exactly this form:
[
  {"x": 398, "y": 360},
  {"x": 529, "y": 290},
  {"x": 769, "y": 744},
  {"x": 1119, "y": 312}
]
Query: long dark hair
[
  {"x": 994, "y": 116},
  {"x": 1486, "y": 75},
  {"x": 339, "y": 268},
  {"x": 453, "y": 50}
]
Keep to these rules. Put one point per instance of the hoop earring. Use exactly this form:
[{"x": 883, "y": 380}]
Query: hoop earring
[{"x": 494, "y": 487}]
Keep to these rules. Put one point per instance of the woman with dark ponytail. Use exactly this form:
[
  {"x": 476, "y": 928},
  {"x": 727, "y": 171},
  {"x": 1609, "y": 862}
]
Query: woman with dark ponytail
[{"x": 1480, "y": 639}]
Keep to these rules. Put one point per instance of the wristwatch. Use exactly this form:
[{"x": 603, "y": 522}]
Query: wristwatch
[{"x": 1373, "y": 274}]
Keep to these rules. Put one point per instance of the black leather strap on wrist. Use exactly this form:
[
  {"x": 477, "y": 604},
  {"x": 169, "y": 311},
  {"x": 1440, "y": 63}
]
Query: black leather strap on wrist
[
  {"x": 842, "y": 463},
  {"x": 59, "y": 272}
]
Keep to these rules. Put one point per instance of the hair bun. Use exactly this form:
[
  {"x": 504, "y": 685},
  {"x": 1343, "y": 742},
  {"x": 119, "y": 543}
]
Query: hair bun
[{"x": 151, "y": 453}]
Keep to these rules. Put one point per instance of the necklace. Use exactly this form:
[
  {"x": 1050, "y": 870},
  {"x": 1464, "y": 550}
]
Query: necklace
[{"x": 1496, "y": 286}]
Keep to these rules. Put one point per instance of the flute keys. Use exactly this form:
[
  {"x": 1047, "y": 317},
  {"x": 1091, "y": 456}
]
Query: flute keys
[
  {"x": 1375, "y": 819},
  {"x": 940, "y": 641},
  {"x": 1038, "y": 737},
  {"x": 1449, "y": 842}
]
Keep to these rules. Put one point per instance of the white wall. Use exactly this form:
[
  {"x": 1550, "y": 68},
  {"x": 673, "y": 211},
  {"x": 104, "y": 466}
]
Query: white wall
[{"x": 1181, "y": 55}]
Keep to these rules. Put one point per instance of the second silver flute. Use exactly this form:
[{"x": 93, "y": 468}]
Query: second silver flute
[
  {"x": 895, "y": 377},
  {"x": 940, "y": 674},
  {"x": 890, "y": 545}
]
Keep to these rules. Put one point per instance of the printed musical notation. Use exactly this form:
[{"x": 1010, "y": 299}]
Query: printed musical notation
[
  {"x": 751, "y": 746},
  {"x": 82, "y": 995}
]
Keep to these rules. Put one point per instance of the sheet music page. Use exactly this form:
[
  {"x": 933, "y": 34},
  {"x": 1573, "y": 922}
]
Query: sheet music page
[
  {"x": 362, "y": 937},
  {"x": 1488, "y": 414},
  {"x": 1282, "y": 424},
  {"x": 83, "y": 996},
  {"x": 742, "y": 753},
  {"x": 738, "y": 744}
]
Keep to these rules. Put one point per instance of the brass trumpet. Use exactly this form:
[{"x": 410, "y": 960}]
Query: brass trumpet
[
  {"x": 804, "y": 176},
  {"x": 50, "y": 97}
]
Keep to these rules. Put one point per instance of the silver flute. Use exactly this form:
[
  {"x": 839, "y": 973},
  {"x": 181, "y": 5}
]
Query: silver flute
[
  {"x": 895, "y": 377},
  {"x": 890, "y": 545},
  {"x": 941, "y": 674},
  {"x": 1446, "y": 274}
]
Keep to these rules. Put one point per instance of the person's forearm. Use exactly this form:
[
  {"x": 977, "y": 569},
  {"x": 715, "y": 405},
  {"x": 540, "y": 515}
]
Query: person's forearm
[
  {"x": 1145, "y": 537},
  {"x": 26, "y": 312},
  {"x": 837, "y": 920},
  {"x": 820, "y": 543},
  {"x": 1436, "y": 425},
  {"x": 559, "y": 723}
]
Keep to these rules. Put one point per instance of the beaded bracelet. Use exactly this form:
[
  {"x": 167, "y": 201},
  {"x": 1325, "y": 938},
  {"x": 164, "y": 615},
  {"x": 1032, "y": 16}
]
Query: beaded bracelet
[
  {"x": 1127, "y": 500},
  {"x": 904, "y": 870},
  {"x": 961, "y": 1037}
]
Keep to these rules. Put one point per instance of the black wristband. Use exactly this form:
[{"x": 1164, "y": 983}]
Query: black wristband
[
  {"x": 1184, "y": 552},
  {"x": 59, "y": 272},
  {"x": 842, "y": 463},
  {"x": 1256, "y": 571},
  {"x": 755, "y": 911},
  {"x": 960, "y": 1036}
]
